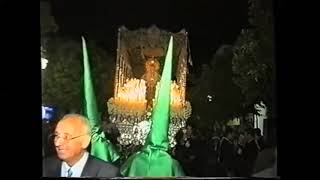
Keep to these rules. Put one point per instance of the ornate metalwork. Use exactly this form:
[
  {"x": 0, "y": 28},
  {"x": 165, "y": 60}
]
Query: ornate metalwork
[{"x": 140, "y": 56}]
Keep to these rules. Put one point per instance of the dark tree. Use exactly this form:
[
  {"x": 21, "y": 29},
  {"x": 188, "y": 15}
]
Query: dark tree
[
  {"x": 253, "y": 61},
  {"x": 62, "y": 81}
]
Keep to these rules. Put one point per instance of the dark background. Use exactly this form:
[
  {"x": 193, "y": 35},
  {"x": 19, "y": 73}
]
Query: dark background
[
  {"x": 21, "y": 131},
  {"x": 210, "y": 23}
]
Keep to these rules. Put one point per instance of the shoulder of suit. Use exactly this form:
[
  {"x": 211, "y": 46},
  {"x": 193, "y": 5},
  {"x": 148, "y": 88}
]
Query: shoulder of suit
[
  {"x": 105, "y": 168},
  {"x": 102, "y": 163}
]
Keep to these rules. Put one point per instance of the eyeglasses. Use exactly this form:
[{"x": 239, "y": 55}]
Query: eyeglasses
[{"x": 65, "y": 137}]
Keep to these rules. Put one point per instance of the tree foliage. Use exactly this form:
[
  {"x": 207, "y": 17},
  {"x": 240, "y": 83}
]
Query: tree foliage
[
  {"x": 214, "y": 96},
  {"x": 253, "y": 60},
  {"x": 47, "y": 22},
  {"x": 62, "y": 80}
]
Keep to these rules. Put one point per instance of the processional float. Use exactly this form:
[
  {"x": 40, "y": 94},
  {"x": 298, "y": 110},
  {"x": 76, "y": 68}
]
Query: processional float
[{"x": 139, "y": 64}]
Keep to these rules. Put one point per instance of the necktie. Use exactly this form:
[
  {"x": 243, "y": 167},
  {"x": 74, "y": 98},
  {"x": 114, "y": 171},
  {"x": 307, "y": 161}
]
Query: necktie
[{"x": 69, "y": 173}]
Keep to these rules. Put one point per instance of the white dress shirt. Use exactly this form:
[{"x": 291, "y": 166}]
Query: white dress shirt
[{"x": 76, "y": 168}]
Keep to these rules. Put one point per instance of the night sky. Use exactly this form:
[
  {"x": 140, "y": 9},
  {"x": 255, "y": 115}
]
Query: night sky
[{"x": 210, "y": 23}]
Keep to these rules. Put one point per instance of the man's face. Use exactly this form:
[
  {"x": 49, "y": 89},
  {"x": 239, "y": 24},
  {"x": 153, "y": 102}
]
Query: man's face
[{"x": 68, "y": 149}]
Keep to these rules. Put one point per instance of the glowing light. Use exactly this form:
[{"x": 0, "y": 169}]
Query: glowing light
[
  {"x": 132, "y": 97},
  {"x": 44, "y": 63}
]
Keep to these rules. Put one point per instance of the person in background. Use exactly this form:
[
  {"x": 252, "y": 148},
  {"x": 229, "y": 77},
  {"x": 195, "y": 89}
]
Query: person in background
[
  {"x": 250, "y": 151},
  {"x": 181, "y": 153},
  {"x": 259, "y": 139},
  {"x": 240, "y": 170},
  {"x": 266, "y": 163},
  {"x": 227, "y": 153},
  {"x": 270, "y": 170},
  {"x": 212, "y": 167}
]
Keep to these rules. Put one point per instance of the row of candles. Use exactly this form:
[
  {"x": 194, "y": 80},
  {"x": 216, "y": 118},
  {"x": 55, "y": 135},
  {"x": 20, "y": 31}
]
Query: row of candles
[
  {"x": 133, "y": 95},
  {"x": 176, "y": 100}
]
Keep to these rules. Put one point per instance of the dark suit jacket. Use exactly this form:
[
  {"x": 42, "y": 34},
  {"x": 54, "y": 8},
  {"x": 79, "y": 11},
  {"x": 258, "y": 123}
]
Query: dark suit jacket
[
  {"x": 227, "y": 155},
  {"x": 250, "y": 153},
  {"x": 93, "y": 168}
]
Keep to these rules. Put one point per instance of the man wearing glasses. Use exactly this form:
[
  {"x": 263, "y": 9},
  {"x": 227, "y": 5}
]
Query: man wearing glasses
[{"x": 71, "y": 139}]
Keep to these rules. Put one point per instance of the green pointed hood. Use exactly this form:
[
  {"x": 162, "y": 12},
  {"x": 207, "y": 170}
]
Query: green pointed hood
[
  {"x": 101, "y": 147},
  {"x": 158, "y": 135},
  {"x": 153, "y": 160}
]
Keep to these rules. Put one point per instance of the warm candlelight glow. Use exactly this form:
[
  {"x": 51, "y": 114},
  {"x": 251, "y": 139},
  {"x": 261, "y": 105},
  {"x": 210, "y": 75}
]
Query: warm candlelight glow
[
  {"x": 131, "y": 97},
  {"x": 177, "y": 100},
  {"x": 176, "y": 96},
  {"x": 131, "y": 107}
]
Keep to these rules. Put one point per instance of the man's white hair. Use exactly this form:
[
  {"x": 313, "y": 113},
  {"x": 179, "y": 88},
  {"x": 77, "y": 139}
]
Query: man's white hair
[{"x": 83, "y": 120}]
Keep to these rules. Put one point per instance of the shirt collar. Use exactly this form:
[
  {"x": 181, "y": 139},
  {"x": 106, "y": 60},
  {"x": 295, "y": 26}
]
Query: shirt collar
[{"x": 77, "y": 167}]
